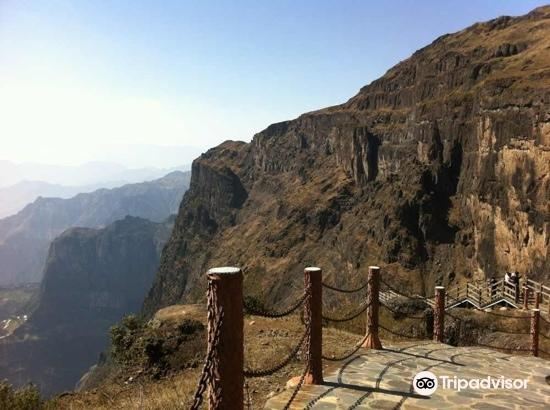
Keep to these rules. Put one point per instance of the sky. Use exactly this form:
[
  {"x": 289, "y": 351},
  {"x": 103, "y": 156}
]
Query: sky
[{"x": 137, "y": 81}]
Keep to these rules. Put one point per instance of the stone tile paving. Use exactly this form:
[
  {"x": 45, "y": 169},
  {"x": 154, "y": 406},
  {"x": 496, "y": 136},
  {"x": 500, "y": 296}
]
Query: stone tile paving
[{"x": 382, "y": 379}]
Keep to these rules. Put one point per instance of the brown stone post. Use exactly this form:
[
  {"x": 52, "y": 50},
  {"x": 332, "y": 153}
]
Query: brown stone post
[
  {"x": 313, "y": 278},
  {"x": 525, "y": 297},
  {"x": 439, "y": 314},
  {"x": 372, "y": 340},
  {"x": 538, "y": 297},
  {"x": 535, "y": 319},
  {"x": 226, "y": 385},
  {"x": 479, "y": 297}
]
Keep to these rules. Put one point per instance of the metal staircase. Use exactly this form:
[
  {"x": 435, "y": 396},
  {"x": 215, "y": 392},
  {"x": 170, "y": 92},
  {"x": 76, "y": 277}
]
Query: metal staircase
[{"x": 489, "y": 295}]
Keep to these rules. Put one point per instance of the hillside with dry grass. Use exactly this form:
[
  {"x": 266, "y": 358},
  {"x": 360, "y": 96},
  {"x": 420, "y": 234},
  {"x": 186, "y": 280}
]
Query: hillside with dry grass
[{"x": 439, "y": 172}]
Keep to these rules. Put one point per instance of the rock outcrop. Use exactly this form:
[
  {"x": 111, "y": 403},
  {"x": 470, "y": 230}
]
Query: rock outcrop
[
  {"x": 92, "y": 278},
  {"x": 26, "y": 236},
  {"x": 437, "y": 171}
]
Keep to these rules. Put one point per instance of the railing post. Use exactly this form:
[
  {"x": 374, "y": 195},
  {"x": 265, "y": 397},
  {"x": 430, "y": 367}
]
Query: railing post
[
  {"x": 439, "y": 314},
  {"x": 372, "y": 340},
  {"x": 226, "y": 384},
  {"x": 538, "y": 296},
  {"x": 479, "y": 297},
  {"x": 525, "y": 297},
  {"x": 535, "y": 319},
  {"x": 313, "y": 278}
]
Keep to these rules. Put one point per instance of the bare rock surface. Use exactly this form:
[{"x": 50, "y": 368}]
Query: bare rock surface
[{"x": 439, "y": 171}]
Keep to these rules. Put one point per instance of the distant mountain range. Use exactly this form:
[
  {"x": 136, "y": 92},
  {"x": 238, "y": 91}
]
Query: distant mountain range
[
  {"x": 15, "y": 197},
  {"x": 92, "y": 278},
  {"x": 25, "y": 237},
  {"x": 91, "y": 173}
]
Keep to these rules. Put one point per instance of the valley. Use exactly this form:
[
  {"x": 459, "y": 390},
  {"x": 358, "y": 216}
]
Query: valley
[
  {"x": 433, "y": 178},
  {"x": 15, "y": 303},
  {"x": 34, "y": 227}
]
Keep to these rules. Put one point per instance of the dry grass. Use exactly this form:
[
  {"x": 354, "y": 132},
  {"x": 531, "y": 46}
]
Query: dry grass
[{"x": 267, "y": 342}]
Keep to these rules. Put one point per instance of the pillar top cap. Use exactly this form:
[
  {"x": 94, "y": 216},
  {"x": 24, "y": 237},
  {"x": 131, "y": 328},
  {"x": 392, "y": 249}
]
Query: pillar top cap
[
  {"x": 224, "y": 270},
  {"x": 536, "y": 310},
  {"x": 374, "y": 267},
  {"x": 312, "y": 269},
  {"x": 440, "y": 287}
]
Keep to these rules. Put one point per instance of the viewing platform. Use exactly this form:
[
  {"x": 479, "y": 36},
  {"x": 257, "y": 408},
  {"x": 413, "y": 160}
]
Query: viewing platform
[
  {"x": 376, "y": 373},
  {"x": 382, "y": 379}
]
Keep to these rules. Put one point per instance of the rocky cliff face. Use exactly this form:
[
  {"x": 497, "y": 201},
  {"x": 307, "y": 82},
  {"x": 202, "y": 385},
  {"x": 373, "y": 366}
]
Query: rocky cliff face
[
  {"x": 92, "y": 278},
  {"x": 437, "y": 171},
  {"x": 26, "y": 236}
]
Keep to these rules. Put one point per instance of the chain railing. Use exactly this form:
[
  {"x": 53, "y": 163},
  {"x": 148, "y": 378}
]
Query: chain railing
[
  {"x": 402, "y": 314},
  {"x": 257, "y": 311},
  {"x": 340, "y": 290},
  {"x": 402, "y": 294},
  {"x": 251, "y": 373},
  {"x": 224, "y": 372},
  {"x": 361, "y": 310},
  {"x": 213, "y": 337}
]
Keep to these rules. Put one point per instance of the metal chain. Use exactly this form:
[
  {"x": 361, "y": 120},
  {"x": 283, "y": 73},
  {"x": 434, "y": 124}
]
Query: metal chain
[
  {"x": 264, "y": 313},
  {"x": 399, "y": 334},
  {"x": 248, "y": 404},
  {"x": 509, "y": 332},
  {"x": 346, "y": 319},
  {"x": 282, "y": 364},
  {"x": 297, "y": 388},
  {"x": 347, "y": 355},
  {"x": 401, "y": 314},
  {"x": 503, "y": 348},
  {"x": 402, "y": 294},
  {"x": 214, "y": 334},
  {"x": 453, "y": 316},
  {"x": 334, "y": 288},
  {"x": 306, "y": 368},
  {"x": 502, "y": 315}
]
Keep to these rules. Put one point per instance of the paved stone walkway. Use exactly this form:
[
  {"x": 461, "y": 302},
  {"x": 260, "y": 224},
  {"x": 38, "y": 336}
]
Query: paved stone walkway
[{"x": 382, "y": 379}]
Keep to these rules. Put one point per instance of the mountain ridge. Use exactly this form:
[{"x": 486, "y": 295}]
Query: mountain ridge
[
  {"x": 92, "y": 277},
  {"x": 438, "y": 171},
  {"x": 31, "y": 230}
]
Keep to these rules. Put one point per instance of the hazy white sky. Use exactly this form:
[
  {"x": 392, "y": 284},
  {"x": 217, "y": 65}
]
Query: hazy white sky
[{"x": 84, "y": 80}]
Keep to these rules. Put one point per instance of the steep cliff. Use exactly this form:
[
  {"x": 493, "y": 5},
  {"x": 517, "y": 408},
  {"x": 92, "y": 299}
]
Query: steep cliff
[
  {"x": 437, "y": 171},
  {"x": 26, "y": 236},
  {"x": 92, "y": 278}
]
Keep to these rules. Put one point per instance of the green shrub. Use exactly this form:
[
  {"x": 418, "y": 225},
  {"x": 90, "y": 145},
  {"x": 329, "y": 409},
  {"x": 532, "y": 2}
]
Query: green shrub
[
  {"x": 26, "y": 398},
  {"x": 124, "y": 337}
]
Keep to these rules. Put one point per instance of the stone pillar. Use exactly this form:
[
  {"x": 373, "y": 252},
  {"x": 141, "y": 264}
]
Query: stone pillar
[
  {"x": 372, "y": 340},
  {"x": 439, "y": 314},
  {"x": 479, "y": 297},
  {"x": 226, "y": 385},
  {"x": 313, "y": 278},
  {"x": 525, "y": 297},
  {"x": 538, "y": 297},
  {"x": 535, "y": 320}
]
